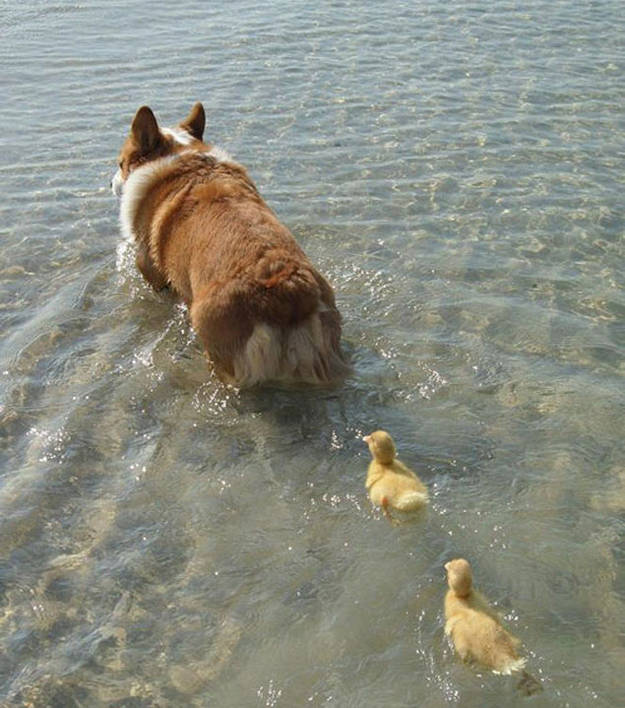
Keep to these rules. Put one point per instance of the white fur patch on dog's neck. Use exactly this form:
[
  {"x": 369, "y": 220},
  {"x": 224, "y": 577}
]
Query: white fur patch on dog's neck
[
  {"x": 183, "y": 138},
  {"x": 179, "y": 135},
  {"x": 219, "y": 154},
  {"x": 134, "y": 190},
  {"x": 139, "y": 182}
]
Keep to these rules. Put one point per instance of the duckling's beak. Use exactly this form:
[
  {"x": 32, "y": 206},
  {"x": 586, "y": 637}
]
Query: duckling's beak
[{"x": 367, "y": 439}]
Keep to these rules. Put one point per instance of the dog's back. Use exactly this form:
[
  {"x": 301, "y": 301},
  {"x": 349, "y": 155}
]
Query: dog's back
[{"x": 262, "y": 311}]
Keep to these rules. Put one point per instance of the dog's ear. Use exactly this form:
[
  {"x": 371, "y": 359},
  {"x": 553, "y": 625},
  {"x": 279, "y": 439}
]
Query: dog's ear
[
  {"x": 145, "y": 130},
  {"x": 196, "y": 120}
]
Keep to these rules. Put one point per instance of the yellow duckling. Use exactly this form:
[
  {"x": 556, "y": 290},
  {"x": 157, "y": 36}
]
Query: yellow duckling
[
  {"x": 389, "y": 482},
  {"x": 476, "y": 630}
]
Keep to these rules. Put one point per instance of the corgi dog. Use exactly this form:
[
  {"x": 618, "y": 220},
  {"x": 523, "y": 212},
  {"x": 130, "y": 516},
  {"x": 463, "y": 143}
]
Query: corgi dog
[
  {"x": 389, "y": 482},
  {"x": 260, "y": 308},
  {"x": 475, "y": 628}
]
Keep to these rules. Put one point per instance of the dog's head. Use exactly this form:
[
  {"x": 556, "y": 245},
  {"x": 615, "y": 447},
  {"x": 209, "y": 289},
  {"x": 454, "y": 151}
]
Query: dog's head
[{"x": 147, "y": 142}]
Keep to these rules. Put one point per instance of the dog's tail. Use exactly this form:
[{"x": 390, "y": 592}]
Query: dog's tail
[
  {"x": 281, "y": 325},
  {"x": 308, "y": 352}
]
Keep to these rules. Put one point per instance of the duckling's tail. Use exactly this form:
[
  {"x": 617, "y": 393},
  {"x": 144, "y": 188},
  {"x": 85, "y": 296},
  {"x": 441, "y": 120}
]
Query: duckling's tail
[
  {"x": 411, "y": 501},
  {"x": 507, "y": 664}
]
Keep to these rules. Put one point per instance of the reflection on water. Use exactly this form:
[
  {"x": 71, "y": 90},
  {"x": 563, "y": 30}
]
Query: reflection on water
[{"x": 456, "y": 173}]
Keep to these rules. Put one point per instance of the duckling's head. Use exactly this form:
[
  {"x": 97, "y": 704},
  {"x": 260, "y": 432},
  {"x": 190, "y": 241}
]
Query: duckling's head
[
  {"x": 459, "y": 576},
  {"x": 381, "y": 446}
]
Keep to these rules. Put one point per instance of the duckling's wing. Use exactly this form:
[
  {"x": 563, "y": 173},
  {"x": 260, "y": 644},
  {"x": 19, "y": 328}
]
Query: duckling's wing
[
  {"x": 374, "y": 473},
  {"x": 400, "y": 468},
  {"x": 450, "y": 624},
  {"x": 481, "y": 603}
]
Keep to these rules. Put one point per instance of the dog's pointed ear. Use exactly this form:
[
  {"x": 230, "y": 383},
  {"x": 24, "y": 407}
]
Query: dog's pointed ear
[
  {"x": 195, "y": 122},
  {"x": 145, "y": 130}
]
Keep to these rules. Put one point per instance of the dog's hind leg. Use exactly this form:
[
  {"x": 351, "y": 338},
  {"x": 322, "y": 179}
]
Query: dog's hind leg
[
  {"x": 223, "y": 330},
  {"x": 148, "y": 269}
]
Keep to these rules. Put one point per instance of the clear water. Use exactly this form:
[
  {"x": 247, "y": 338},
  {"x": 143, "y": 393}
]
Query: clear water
[{"x": 456, "y": 169}]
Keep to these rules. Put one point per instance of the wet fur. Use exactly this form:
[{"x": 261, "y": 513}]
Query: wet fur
[{"x": 260, "y": 308}]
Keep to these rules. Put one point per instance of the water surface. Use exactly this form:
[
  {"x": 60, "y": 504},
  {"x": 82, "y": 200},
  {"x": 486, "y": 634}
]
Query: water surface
[{"x": 455, "y": 169}]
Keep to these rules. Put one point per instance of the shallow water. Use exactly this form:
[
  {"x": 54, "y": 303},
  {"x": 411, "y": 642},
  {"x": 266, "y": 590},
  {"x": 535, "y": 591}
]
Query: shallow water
[{"x": 456, "y": 171}]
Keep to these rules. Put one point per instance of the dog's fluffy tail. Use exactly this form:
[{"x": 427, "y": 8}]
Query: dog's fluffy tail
[
  {"x": 283, "y": 327},
  {"x": 305, "y": 353}
]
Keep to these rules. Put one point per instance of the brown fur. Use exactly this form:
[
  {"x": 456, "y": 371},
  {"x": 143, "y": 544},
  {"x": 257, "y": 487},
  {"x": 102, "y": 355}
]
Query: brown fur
[{"x": 203, "y": 229}]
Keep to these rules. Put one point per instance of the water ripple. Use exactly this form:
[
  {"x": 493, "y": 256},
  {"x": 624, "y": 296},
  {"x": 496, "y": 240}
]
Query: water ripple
[{"x": 456, "y": 171}]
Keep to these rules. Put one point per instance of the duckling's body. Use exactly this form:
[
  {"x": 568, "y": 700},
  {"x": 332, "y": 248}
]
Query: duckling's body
[
  {"x": 395, "y": 485},
  {"x": 474, "y": 627},
  {"x": 389, "y": 482}
]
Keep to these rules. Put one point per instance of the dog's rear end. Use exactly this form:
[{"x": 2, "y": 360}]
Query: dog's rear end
[{"x": 281, "y": 324}]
